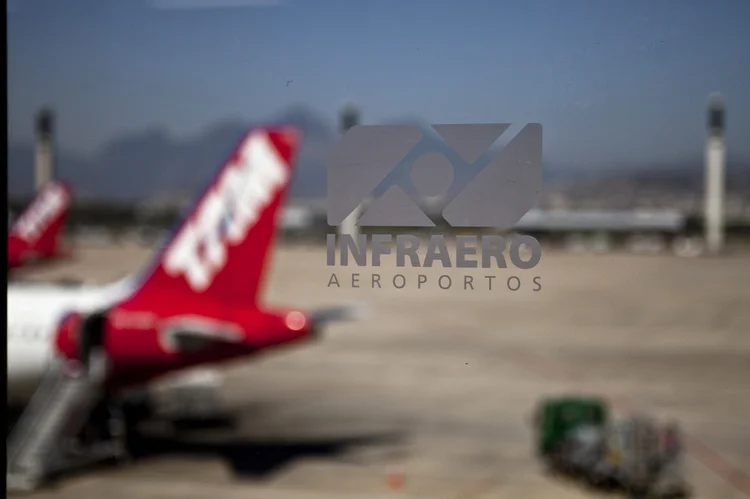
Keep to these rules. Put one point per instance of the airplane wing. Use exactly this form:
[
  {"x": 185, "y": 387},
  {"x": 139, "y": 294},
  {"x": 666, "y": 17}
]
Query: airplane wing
[
  {"x": 348, "y": 312},
  {"x": 194, "y": 334}
]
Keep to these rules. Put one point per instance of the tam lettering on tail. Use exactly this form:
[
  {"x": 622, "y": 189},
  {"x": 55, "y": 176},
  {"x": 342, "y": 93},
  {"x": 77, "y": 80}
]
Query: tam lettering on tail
[
  {"x": 219, "y": 250},
  {"x": 38, "y": 231}
]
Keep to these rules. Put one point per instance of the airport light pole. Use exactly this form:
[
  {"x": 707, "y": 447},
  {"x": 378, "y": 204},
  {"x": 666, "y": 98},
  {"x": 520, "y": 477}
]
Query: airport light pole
[
  {"x": 44, "y": 156},
  {"x": 714, "y": 179},
  {"x": 349, "y": 118}
]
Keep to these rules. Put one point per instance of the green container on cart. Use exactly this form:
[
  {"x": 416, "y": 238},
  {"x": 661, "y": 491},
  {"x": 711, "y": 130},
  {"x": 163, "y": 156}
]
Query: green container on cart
[{"x": 557, "y": 417}]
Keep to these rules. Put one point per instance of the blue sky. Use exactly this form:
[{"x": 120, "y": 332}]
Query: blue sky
[{"x": 610, "y": 80}]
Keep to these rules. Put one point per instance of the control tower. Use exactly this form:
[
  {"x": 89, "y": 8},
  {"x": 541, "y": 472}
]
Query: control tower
[
  {"x": 715, "y": 176},
  {"x": 44, "y": 167},
  {"x": 349, "y": 119}
]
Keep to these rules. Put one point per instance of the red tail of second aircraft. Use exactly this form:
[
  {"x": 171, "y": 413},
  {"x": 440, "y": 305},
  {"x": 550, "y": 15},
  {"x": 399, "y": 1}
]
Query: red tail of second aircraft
[
  {"x": 219, "y": 251},
  {"x": 37, "y": 233}
]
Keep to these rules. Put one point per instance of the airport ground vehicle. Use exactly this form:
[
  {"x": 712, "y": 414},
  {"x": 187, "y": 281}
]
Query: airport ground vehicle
[{"x": 575, "y": 438}]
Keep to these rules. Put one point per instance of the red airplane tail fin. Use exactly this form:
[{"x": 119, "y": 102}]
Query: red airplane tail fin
[
  {"x": 219, "y": 249},
  {"x": 38, "y": 231}
]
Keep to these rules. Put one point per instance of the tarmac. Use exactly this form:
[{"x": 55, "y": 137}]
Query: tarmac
[{"x": 433, "y": 396}]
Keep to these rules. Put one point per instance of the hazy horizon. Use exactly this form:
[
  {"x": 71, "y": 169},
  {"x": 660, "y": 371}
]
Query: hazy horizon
[{"x": 612, "y": 83}]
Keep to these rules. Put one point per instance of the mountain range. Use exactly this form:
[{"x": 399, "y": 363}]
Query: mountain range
[{"x": 151, "y": 163}]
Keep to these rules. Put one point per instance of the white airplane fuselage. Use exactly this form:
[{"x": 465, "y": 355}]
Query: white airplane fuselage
[{"x": 34, "y": 313}]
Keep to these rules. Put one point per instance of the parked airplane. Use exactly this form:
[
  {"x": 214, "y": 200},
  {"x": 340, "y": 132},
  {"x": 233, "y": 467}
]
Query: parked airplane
[
  {"x": 196, "y": 304},
  {"x": 36, "y": 234}
]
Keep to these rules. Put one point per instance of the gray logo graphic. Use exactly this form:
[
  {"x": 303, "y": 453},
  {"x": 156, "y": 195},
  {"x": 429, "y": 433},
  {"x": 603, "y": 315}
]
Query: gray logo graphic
[{"x": 394, "y": 165}]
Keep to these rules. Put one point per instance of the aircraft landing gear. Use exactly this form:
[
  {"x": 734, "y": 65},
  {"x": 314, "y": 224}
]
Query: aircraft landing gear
[{"x": 102, "y": 440}]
